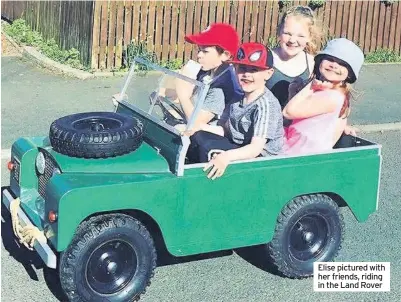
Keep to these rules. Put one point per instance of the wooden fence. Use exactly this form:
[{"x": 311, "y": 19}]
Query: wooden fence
[
  {"x": 70, "y": 23},
  {"x": 102, "y": 30}
]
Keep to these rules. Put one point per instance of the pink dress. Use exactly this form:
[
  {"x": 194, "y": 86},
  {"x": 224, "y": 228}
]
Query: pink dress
[{"x": 314, "y": 134}]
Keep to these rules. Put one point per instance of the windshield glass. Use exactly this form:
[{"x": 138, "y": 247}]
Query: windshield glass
[{"x": 153, "y": 89}]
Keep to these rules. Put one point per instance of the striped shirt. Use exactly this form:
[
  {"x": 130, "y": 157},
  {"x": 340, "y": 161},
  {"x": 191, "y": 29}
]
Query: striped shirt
[{"x": 260, "y": 118}]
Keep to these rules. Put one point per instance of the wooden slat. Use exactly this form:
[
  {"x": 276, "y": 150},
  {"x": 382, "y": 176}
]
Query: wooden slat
[
  {"x": 339, "y": 16},
  {"x": 345, "y": 18},
  {"x": 143, "y": 36},
  {"x": 204, "y": 19},
  {"x": 362, "y": 28},
  {"x": 234, "y": 14},
  {"x": 275, "y": 19},
  {"x": 189, "y": 18},
  {"x": 103, "y": 35},
  {"x": 397, "y": 42},
  {"x": 254, "y": 21},
  {"x": 119, "y": 34},
  {"x": 247, "y": 21},
  {"x": 380, "y": 30},
  {"x": 220, "y": 11},
  {"x": 376, "y": 11},
  {"x": 267, "y": 29},
  {"x": 326, "y": 20},
  {"x": 159, "y": 29},
  {"x": 386, "y": 30},
  {"x": 212, "y": 12},
  {"x": 357, "y": 22},
  {"x": 173, "y": 30},
  {"x": 96, "y": 34},
  {"x": 136, "y": 16},
  {"x": 150, "y": 31},
  {"x": 351, "y": 20},
  {"x": 112, "y": 35},
  {"x": 127, "y": 22},
  {"x": 369, "y": 22},
  {"x": 181, "y": 30},
  {"x": 166, "y": 30},
  {"x": 333, "y": 16},
  {"x": 393, "y": 23},
  {"x": 261, "y": 21},
  {"x": 198, "y": 17},
  {"x": 240, "y": 20},
  {"x": 227, "y": 11}
]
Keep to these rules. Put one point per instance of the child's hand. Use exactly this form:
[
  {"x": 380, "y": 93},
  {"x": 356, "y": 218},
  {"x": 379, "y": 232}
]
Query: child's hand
[
  {"x": 295, "y": 86},
  {"x": 191, "y": 131},
  {"x": 349, "y": 130},
  {"x": 321, "y": 85},
  {"x": 218, "y": 164},
  {"x": 118, "y": 98}
]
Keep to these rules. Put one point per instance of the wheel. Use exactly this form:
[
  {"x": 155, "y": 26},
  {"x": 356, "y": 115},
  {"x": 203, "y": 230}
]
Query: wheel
[
  {"x": 95, "y": 134},
  {"x": 111, "y": 258},
  {"x": 309, "y": 229},
  {"x": 165, "y": 106}
]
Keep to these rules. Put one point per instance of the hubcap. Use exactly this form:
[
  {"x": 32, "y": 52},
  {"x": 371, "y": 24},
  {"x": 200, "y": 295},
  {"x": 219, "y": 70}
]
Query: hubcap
[
  {"x": 309, "y": 237},
  {"x": 97, "y": 124},
  {"x": 111, "y": 267}
]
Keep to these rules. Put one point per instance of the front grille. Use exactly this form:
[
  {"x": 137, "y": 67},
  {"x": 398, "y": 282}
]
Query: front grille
[
  {"x": 43, "y": 179},
  {"x": 16, "y": 170}
]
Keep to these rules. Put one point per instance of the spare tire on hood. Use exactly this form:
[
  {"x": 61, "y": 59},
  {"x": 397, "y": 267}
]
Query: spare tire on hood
[{"x": 96, "y": 134}]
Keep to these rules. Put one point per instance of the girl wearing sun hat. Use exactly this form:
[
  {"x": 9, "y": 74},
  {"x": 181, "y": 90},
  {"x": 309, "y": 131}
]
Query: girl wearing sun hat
[{"x": 317, "y": 107}]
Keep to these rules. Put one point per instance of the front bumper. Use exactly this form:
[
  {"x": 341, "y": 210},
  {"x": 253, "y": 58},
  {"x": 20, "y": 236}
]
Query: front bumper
[{"x": 43, "y": 249}]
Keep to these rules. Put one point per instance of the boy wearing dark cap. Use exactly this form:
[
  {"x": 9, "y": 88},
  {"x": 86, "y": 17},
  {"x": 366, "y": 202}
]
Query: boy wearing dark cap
[{"x": 255, "y": 123}]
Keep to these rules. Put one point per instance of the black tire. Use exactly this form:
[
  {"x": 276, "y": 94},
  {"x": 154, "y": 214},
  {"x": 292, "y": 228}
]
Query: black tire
[
  {"x": 111, "y": 258},
  {"x": 95, "y": 134},
  {"x": 309, "y": 229}
]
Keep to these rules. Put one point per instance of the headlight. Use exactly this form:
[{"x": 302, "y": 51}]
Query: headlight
[
  {"x": 56, "y": 171},
  {"x": 40, "y": 163}
]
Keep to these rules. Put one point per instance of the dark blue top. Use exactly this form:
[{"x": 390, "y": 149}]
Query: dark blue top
[{"x": 230, "y": 85}]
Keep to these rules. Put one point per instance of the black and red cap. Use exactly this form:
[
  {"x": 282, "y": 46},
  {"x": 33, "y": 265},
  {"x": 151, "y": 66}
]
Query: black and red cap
[{"x": 254, "y": 54}]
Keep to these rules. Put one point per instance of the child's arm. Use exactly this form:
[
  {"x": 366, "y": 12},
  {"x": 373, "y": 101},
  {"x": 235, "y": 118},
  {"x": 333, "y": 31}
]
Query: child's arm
[
  {"x": 340, "y": 127},
  {"x": 220, "y": 162},
  {"x": 206, "y": 127},
  {"x": 306, "y": 104},
  {"x": 204, "y": 116}
]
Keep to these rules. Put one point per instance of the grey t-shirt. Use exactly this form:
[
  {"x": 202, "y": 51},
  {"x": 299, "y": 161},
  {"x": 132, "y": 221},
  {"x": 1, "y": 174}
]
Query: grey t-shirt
[
  {"x": 214, "y": 102},
  {"x": 260, "y": 118}
]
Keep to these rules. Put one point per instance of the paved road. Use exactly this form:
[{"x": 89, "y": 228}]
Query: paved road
[{"x": 226, "y": 276}]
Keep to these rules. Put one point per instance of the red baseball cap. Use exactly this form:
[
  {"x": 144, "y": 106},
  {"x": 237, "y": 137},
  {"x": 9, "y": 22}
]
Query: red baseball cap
[
  {"x": 217, "y": 34},
  {"x": 254, "y": 54}
]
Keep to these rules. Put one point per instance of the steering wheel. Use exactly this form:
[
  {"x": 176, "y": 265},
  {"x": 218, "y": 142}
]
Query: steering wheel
[{"x": 165, "y": 104}]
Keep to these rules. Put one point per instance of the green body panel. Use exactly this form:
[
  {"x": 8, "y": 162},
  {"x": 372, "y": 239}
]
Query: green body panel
[
  {"x": 195, "y": 214},
  {"x": 199, "y": 215},
  {"x": 144, "y": 160}
]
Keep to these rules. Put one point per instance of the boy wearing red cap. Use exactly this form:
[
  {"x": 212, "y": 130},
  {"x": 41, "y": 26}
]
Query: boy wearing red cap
[
  {"x": 255, "y": 123},
  {"x": 216, "y": 46}
]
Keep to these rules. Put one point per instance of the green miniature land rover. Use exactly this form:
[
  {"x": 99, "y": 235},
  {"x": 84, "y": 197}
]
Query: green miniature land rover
[{"x": 92, "y": 196}]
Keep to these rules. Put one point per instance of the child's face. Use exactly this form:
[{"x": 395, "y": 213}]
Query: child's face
[
  {"x": 252, "y": 78},
  {"x": 333, "y": 70},
  {"x": 209, "y": 57},
  {"x": 294, "y": 35}
]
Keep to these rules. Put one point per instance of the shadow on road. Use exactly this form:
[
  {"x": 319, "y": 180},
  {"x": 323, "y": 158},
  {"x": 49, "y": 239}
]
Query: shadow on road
[
  {"x": 30, "y": 260},
  {"x": 258, "y": 257}
]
